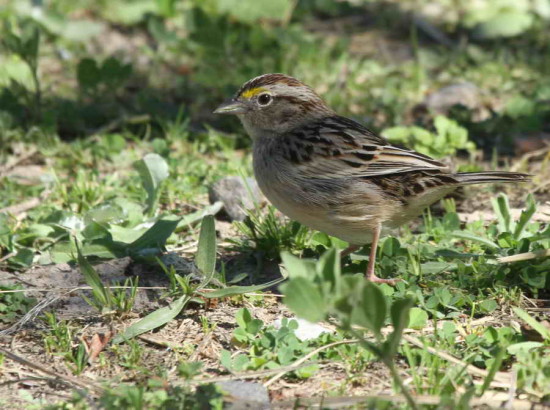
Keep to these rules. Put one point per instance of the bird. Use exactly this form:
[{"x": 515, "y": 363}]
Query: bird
[{"x": 333, "y": 174}]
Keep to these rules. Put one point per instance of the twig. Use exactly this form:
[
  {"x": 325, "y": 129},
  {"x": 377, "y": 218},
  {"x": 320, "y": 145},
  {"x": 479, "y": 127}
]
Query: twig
[
  {"x": 512, "y": 391},
  {"x": 248, "y": 375},
  {"x": 528, "y": 156},
  {"x": 492, "y": 399},
  {"x": 306, "y": 358},
  {"x": 9, "y": 166},
  {"x": 524, "y": 256},
  {"x": 158, "y": 342},
  {"x": 69, "y": 290},
  {"x": 43, "y": 304},
  {"x": 22, "y": 206},
  {"x": 432, "y": 31},
  {"x": 6, "y": 257},
  {"x": 86, "y": 384},
  {"x": 117, "y": 122},
  {"x": 30, "y": 315},
  {"x": 26, "y": 379}
]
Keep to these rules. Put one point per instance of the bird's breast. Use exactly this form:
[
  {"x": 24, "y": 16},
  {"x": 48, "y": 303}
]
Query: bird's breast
[{"x": 314, "y": 203}]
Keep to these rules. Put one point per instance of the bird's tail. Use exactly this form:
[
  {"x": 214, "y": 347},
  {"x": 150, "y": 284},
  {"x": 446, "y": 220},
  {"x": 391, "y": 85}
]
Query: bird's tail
[{"x": 467, "y": 178}]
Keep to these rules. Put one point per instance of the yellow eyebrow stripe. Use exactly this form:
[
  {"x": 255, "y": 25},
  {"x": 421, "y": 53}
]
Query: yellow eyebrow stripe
[{"x": 252, "y": 92}]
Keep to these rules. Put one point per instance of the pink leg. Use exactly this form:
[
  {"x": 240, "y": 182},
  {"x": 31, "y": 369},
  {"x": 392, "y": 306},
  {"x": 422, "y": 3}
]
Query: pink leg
[
  {"x": 372, "y": 259},
  {"x": 349, "y": 250}
]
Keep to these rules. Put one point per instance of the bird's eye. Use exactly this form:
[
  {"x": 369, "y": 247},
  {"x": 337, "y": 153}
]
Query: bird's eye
[{"x": 264, "y": 99}]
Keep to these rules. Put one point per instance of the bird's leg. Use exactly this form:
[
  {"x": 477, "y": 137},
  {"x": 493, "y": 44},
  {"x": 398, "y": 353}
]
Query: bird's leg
[
  {"x": 372, "y": 259},
  {"x": 349, "y": 250}
]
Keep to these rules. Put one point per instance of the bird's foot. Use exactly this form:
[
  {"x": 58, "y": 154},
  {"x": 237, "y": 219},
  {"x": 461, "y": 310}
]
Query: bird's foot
[{"x": 375, "y": 279}]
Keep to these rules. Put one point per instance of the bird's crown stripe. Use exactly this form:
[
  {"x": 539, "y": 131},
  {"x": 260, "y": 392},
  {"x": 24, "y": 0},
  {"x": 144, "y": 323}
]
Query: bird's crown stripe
[{"x": 252, "y": 92}]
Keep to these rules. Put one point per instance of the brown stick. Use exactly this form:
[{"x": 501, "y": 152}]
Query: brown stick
[{"x": 86, "y": 384}]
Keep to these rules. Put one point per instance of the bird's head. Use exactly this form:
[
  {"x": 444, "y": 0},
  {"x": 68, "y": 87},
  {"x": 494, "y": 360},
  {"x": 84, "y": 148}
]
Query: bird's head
[{"x": 273, "y": 104}]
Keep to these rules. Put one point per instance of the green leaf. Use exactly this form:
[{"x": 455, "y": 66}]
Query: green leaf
[
  {"x": 418, "y": 318},
  {"x": 521, "y": 347},
  {"x": 152, "y": 169},
  {"x": 102, "y": 249},
  {"x": 542, "y": 235},
  {"x": 474, "y": 238},
  {"x": 304, "y": 299},
  {"x": 30, "y": 43},
  {"x": 519, "y": 106},
  {"x": 114, "y": 74},
  {"x": 205, "y": 258},
  {"x": 87, "y": 73},
  {"x": 128, "y": 12},
  {"x": 81, "y": 30},
  {"x": 23, "y": 258},
  {"x": 499, "y": 357},
  {"x": 328, "y": 268},
  {"x": 240, "y": 362},
  {"x": 12, "y": 43},
  {"x": 4, "y": 227},
  {"x": 190, "y": 219},
  {"x": 225, "y": 359},
  {"x": 342, "y": 300},
  {"x": 539, "y": 327},
  {"x": 488, "y": 305},
  {"x": 390, "y": 246},
  {"x": 501, "y": 207},
  {"x": 534, "y": 278},
  {"x": 254, "y": 326},
  {"x": 370, "y": 308},
  {"x": 297, "y": 267},
  {"x": 397, "y": 134},
  {"x": 507, "y": 23},
  {"x": 239, "y": 290},
  {"x": 101, "y": 294},
  {"x": 62, "y": 252},
  {"x": 243, "y": 317},
  {"x": 285, "y": 355},
  {"x": 125, "y": 235},
  {"x": 465, "y": 399},
  {"x": 153, "y": 320},
  {"x": 155, "y": 237},
  {"x": 400, "y": 318},
  {"x": 109, "y": 213},
  {"x": 525, "y": 217},
  {"x": 307, "y": 371},
  {"x": 133, "y": 211},
  {"x": 433, "y": 267},
  {"x": 166, "y": 8},
  {"x": 252, "y": 11},
  {"x": 94, "y": 231}
]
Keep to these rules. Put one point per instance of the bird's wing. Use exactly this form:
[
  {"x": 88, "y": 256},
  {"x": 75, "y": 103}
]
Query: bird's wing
[{"x": 337, "y": 147}]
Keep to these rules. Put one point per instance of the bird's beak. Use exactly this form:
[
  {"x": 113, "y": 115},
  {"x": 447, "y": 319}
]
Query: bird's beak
[{"x": 231, "y": 107}]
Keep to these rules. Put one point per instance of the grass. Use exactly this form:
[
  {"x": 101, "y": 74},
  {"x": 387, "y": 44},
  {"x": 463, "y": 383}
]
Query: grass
[{"x": 106, "y": 157}]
